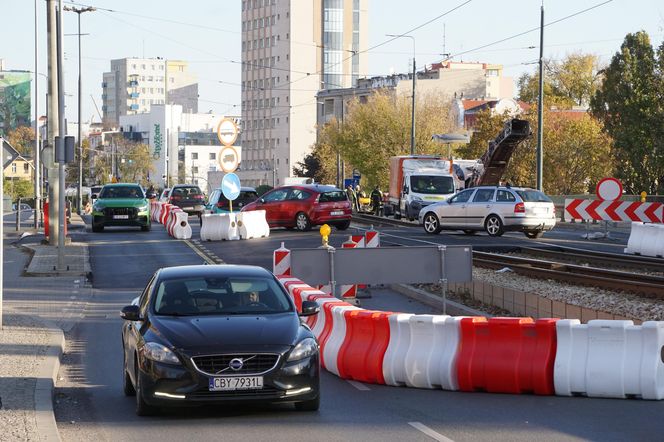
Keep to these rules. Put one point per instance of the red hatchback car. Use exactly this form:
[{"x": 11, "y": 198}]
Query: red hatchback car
[{"x": 303, "y": 206}]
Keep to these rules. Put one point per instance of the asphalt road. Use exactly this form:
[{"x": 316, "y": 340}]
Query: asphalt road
[{"x": 90, "y": 404}]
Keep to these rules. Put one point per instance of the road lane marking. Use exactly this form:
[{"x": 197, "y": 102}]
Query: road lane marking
[
  {"x": 429, "y": 432},
  {"x": 199, "y": 252},
  {"x": 359, "y": 385}
]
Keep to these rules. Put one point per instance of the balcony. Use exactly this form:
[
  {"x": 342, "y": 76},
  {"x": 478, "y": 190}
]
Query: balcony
[
  {"x": 133, "y": 83},
  {"x": 133, "y": 95},
  {"x": 133, "y": 107}
]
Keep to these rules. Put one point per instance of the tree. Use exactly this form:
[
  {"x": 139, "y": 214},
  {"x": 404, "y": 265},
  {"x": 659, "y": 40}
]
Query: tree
[
  {"x": 134, "y": 163},
  {"x": 378, "y": 129},
  {"x": 569, "y": 82},
  {"x": 23, "y": 140},
  {"x": 630, "y": 104},
  {"x": 18, "y": 188}
]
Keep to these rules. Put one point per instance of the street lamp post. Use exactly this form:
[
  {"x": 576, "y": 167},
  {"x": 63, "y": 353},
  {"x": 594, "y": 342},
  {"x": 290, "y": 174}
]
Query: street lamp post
[
  {"x": 79, "y": 190},
  {"x": 412, "y": 116}
]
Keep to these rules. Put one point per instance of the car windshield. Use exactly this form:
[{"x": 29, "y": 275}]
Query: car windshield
[
  {"x": 121, "y": 192},
  {"x": 333, "y": 196},
  {"x": 432, "y": 184},
  {"x": 533, "y": 196},
  {"x": 196, "y": 296}
]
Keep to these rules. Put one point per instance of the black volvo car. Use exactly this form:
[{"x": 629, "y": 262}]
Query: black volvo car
[{"x": 200, "y": 335}]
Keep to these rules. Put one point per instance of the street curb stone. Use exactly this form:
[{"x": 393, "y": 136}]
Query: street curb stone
[{"x": 48, "y": 373}]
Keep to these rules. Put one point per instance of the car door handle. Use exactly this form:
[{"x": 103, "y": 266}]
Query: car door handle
[{"x": 488, "y": 206}]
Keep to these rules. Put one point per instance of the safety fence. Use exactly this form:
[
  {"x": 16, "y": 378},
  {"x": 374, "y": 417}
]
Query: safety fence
[
  {"x": 172, "y": 217},
  {"x": 604, "y": 358}
]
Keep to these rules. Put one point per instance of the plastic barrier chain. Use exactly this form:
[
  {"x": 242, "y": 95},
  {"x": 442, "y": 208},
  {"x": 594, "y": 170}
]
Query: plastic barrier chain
[
  {"x": 178, "y": 224},
  {"x": 219, "y": 226},
  {"x": 252, "y": 224},
  {"x": 646, "y": 239}
]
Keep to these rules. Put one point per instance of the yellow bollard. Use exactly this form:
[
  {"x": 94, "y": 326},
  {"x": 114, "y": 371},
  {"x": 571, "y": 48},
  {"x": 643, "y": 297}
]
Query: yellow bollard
[
  {"x": 643, "y": 196},
  {"x": 325, "y": 231}
]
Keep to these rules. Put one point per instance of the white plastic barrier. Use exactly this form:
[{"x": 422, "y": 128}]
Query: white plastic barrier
[
  {"x": 252, "y": 224},
  {"x": 606, "y": 358},
  {"x": 336, "y": 338},
  {"x": 219, "y": 226},
  {"x": 646, "y": 239},
  {"x": 394, "y": 368},
  {"x": 431, "y": 356},
  {"x": 179, "y": 227}
]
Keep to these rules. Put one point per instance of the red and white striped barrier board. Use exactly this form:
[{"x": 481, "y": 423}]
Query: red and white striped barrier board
[
  {"x": 349, "y": 291},
  {"x": 281, "y": 261},
  {"x": 614, "y": 210},
  {"x": 372, "y": 238}
]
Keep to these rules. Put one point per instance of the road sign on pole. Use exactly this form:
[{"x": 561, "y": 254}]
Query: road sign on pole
[
  {"x": 609, "y": 189},
  {"x": 227, "y": 132},
  {"x": 228, "y": 159},
  {"x": 9, "y": 154}
]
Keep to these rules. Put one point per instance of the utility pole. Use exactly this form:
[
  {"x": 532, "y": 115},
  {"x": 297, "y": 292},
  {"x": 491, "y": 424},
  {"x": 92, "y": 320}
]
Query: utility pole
[
  {"x": 540, "y": 106},
  {"x": 62, "y": 204},
  {"x": 36, "y": 154},
  {"x": 412, "y": 115},
  {"x": 52, "y": 112},
  {"x": 79, "y": 190}
]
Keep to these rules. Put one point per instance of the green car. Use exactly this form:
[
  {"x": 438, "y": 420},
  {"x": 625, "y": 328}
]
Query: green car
[{"x": 121, "y": 204}]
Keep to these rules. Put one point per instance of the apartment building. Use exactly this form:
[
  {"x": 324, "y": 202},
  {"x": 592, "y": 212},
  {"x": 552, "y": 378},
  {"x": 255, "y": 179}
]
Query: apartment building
[
  {"x": 135, "y": 84},
  {"x": 290, "y": 50}
]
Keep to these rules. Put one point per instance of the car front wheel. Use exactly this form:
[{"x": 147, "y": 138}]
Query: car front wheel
[
  {"x": 493, "y": 225},
  {"x": 343, "y": 225},
  {"x": 431, "y": 223},
  {"x": 127, "y": 386},
  {"x": 142, "y": 407},
  {"x": 302, "y": 222}
]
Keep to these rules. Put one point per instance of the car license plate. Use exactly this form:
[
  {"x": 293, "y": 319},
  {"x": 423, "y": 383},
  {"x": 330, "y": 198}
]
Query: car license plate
[
  {"x": 236, "y": 383},
  {"x": 541, "y": 210},
  {"x": 120, "y": 216},
  {"x": 187, "y": 208},
  {"x": 337, "y": 212}
]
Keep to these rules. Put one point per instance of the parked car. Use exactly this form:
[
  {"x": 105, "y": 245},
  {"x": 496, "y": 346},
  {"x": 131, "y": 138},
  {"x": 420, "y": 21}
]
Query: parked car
[
  {"x": 121, "y": 204},
  {"x": 495, "y": 209},
  {"x": 187, "y": 197},
  {"x": 200, "y": 335},
  {"x": 163, "y": 198},
  {"x": 304, "y": 206},
  {"x": 217, "y": 202}
]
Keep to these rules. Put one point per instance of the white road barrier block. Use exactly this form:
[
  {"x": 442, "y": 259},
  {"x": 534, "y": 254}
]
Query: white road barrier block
[
  {"x": 180, "y": 228},
  {"x": 606, "y": 358},
  {"x": 219, "y": 226},
  {"x": 431, "y": 357},
  {"x": 336, "y": 338},
  {"x": 394, "y": 368},
  {"x": 252, "y": 224},
  {"x": 646, "y": 239}
]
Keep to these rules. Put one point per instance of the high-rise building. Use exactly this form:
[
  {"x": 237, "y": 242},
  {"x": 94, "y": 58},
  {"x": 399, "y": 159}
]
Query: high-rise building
[
  {"x": 134, "y": 84},
  {"x": 290, "y": 50}
]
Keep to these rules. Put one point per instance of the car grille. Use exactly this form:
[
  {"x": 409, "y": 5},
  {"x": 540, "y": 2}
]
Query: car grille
[
  {"x": 211, "y": 395},
  {"x": 109, "y": 212},
  {"x": 252, "y": 363}
]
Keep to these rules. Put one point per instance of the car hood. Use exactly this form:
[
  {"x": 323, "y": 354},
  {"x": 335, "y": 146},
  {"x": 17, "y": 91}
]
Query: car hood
[
  {"x": 121, "y": 202},
  {"x": 198, "y": 332}
]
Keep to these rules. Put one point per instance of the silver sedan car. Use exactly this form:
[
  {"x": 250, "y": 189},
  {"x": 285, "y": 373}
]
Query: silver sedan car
[{"x": 495, "y": 209}]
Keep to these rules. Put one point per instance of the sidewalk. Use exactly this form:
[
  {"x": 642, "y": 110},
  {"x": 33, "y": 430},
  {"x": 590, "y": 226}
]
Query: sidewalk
[{"x": 39, "y": 302}]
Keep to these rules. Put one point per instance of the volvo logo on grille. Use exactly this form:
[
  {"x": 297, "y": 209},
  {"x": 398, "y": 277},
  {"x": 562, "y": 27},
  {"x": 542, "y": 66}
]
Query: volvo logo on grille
[{"x": 236, "y": 364}]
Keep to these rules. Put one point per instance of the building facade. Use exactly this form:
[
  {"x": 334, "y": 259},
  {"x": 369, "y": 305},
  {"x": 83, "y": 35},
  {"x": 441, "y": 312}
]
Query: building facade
[
  {"x": 15, "y": 107},
  {"x": 290, "y": 50},
  {"x": 448, "y": 80},
  {"x": 135, "y": 84},
  {"x": 183, "y": 145}
]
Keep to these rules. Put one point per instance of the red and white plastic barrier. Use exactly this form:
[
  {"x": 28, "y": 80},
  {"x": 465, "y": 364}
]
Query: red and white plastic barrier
[
  {"x": 178, "y": 224},
  {"x": 603, "y": 358}
]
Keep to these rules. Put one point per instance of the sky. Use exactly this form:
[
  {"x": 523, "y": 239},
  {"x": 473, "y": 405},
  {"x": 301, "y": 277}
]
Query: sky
[{"x": 207, "y": 34}]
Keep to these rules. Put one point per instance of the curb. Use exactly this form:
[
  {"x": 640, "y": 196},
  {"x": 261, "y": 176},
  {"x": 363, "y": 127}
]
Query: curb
[
  {"x": 453, "y": 308},
  {"x": 48, "y": 373}
]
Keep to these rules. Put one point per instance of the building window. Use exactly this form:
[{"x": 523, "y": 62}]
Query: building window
[
  {"x": 194, "y": 155},
  {"x": 194, "y": 169},
  {"x": 213, "y": 156},
  {"x": 13, "y": 167}
]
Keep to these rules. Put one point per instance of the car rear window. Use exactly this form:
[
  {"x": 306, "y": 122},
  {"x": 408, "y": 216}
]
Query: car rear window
[
  {"x": 121, "y": 192},
  {"x": 533, "y": 196},
  {"x": 186, "y": 191},
  {"x": 332, "y": 196},
  {"x": 198, "y": 295}
]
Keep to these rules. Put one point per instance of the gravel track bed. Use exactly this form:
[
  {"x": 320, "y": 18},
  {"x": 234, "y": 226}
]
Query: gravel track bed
[{"x": 586, "y": 264}]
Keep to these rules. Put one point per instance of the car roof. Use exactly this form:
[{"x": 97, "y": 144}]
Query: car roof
[
  {"x": 121, "y": 184},
  {"x": 219, "y": 271},
  {"x": 242, "y": 189},
  {"x": 315, "y": 187},
  {"x": 502, "y": 187},
  {"x": 185, "y": 185}
]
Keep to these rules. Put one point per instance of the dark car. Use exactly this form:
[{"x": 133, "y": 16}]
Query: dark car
[
  {"x": 303, "y": 206},
  {"x": 187, "y": 197},
  {"x": 200, "y": 335},
  {"x": 217, "y": 203},
  {"x": 121, "y": 204}
]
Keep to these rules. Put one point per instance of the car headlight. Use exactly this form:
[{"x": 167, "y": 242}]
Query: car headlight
[
  {"x": 159, "y": 353},
  {"x": 143, "y": 208},
  {"x": 305, "y": 348},
  {"x": 97, "y": 208}
]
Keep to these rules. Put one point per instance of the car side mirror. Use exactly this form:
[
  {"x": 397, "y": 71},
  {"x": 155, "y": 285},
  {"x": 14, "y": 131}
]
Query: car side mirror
[
  {"x": 131, "y": 313},
  {"x": 309, "y": 308},
  {"x": 261, "y": 200},
  {"x": 151, "y": 195},
  {"x": 405, "y": 190}
]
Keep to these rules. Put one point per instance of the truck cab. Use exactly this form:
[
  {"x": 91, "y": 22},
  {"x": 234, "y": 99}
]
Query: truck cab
[{"x": 424, "y": 188}]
